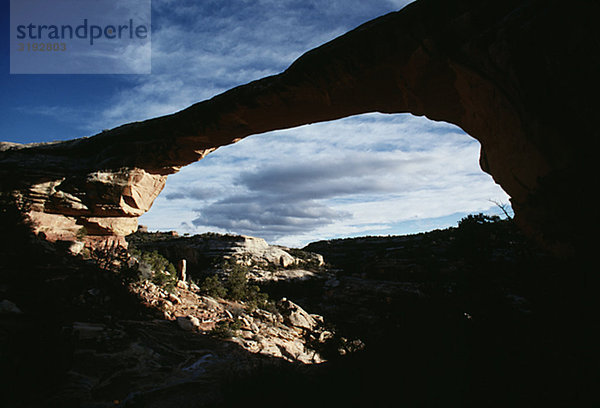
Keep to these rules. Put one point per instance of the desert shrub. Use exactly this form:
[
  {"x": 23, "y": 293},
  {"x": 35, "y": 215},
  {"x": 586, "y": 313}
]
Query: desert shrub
[
  {"x": 227, "y": 329},
  {"x": 238, "y": 287},
  {"x": 81, "y": 233},
  {"x": 256, "y": 299},
  {"x": 235, "y": 286},
  {"x": 158, "y": 262},
  {"x": 153, "y": 267},
  {"x": 164, "y": 280},
  {"x": 86, "y": 253},
  {"x": 212, "y": 286},
  {"x": 237, "y": 282},
  {"x": 472, "y": 221},
  {"x": 141, "y": 238},
  {"x": 263, "y": 302}
]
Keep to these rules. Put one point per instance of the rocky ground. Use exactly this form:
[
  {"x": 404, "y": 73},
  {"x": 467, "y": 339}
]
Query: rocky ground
[
  {"x": 472, "y": 308},
  {"x": 461, "y": 317},
  {"x": 277, "y": 334},
  {"x": 278, "y": 328},
  {"x": 87, "y": 335}
]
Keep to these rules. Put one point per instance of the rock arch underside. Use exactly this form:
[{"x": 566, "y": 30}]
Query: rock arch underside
[{"x": 519, "y": 76}]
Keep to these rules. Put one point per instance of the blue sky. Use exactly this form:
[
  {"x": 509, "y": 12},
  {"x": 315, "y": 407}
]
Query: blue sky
[{"x": 370, "y": 174}]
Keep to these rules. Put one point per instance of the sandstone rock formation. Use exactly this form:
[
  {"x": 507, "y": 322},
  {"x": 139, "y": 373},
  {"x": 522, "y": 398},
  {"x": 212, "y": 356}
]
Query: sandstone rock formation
[
  {"x": 262, "y": 332},
  {"x": 517, "y": 75},
  {"x": 296, "y": 316},
  {"x": 206, "y": 251}
]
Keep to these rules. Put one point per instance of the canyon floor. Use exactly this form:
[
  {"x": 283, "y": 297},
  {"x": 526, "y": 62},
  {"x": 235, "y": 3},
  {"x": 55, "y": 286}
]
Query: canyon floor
[{"x": 468, "y": 316}]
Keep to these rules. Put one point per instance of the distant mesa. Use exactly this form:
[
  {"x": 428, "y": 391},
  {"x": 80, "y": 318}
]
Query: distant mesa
[{"x": 517, "y": 75}]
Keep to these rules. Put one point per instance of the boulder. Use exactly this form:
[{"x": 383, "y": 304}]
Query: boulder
[
  {"x": 277, "y": 256},
  {"x": 296, "y": 316},
  {"x": 188, "y": 323}
]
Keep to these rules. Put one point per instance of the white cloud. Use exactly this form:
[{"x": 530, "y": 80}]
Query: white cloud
[
  {"x": 366, "y": 174},
  {"x": 200, "y": 49},
  {"x": 369, "y": 174}
]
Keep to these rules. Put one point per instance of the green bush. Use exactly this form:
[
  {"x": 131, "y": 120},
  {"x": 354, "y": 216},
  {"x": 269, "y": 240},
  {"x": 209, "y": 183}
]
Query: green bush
[
  {"x": 157, "y": 262},
  {"x": 238, "y": 288},
  {"x": 154, "y": 267},
  {"x": 164, "y": 280},
  {"x": 226, "y": 329},
  {"x": 81, "y": 233},
  {"x": 212, "y": 286},
  {"x": 260, "y": 300},
  {"x": 235, "y": 286},
  {"x": 237, "y": 282}
]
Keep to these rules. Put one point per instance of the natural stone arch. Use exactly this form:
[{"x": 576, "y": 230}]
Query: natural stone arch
[{"x": 485, "y": 66}]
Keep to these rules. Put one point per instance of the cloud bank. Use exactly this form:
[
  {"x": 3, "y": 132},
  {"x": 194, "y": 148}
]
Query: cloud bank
[{"x": 370, "y": 174}]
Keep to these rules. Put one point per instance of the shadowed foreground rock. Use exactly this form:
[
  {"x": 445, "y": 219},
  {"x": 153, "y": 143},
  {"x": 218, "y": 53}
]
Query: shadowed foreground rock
[
  {"x": 517, "y": 75},
  {"x": 469, "y": 316}
]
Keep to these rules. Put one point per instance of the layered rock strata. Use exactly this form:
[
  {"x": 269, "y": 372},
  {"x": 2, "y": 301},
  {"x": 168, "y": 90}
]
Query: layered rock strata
[
  {"x": 206, "y": 251},
  {"x": 517, "y": 75}
]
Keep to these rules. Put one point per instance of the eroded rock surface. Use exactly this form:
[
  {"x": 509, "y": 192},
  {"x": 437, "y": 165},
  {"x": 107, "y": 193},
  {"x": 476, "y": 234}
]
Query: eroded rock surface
[
  {"x": 207, "y": 251},
  {"x": 517, "y": 75},
  {"x": 261, "y": 331}
]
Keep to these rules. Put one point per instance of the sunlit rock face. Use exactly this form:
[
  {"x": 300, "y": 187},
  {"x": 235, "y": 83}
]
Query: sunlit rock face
[
  {"x": 68, "y": 198},
  {"x": 516, "y": 75}
]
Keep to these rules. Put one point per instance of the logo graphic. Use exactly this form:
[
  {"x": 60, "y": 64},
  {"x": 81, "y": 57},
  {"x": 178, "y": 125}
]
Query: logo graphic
[{"x": 80, "y": 37}]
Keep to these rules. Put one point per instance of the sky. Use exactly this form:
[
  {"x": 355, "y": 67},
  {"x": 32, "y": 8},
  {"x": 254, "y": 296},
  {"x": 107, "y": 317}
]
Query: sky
[{"x": 371, "y": 174}]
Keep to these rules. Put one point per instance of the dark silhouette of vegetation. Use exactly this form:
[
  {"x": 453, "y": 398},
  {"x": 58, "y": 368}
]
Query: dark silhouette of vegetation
[
  {"x": 504, "y": 207},
  {"x": 472, "y": 220}
]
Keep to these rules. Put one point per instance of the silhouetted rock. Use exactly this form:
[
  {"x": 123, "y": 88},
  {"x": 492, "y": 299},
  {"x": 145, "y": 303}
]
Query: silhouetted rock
[
  {"x": 517, "y": 75},
  {"x": 8, "y": 307}
]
